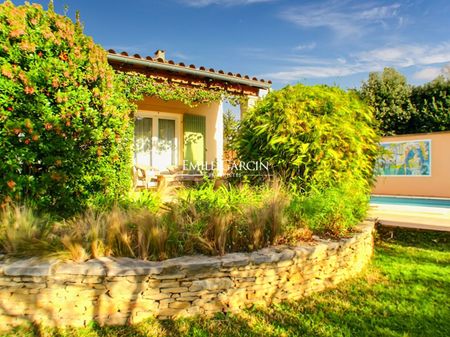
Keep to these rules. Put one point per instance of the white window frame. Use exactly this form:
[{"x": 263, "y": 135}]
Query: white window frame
[{"x": 156, "y": 115}]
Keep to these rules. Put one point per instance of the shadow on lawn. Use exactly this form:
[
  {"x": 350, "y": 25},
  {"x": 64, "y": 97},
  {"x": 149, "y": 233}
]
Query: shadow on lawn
[
  {"x": 378, "y": 303},
  {"x": 417, "y": 238}
]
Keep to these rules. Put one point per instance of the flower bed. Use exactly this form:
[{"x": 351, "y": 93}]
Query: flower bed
[{"x": 123, "y": 290}]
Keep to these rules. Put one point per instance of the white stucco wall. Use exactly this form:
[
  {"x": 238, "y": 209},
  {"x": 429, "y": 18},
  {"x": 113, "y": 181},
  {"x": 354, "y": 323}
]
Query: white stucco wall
[{"x": 248, "y": 103}]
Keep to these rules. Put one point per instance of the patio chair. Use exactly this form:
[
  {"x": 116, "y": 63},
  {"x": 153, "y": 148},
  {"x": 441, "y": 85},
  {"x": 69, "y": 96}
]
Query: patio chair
[{"x": 145, "y": 178}]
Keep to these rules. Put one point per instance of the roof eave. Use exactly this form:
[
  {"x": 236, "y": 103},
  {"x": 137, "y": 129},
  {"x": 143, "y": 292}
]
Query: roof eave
[{"x": 188, "y": 71}]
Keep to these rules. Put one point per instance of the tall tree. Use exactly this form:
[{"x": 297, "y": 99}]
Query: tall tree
[
  {"x": 389, "y": 94},
  {"x": 432, "y": 105},
  {"x": 230, "y": 126}
]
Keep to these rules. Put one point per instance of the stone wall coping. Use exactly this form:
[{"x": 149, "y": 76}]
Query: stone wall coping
[
  {"x": 118, "y": 291},
  {"x": 184, "y": 266}
]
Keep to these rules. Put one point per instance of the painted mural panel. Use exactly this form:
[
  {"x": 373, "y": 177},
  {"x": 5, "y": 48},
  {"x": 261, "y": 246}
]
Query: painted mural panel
[{"x": 408, "y": 158}]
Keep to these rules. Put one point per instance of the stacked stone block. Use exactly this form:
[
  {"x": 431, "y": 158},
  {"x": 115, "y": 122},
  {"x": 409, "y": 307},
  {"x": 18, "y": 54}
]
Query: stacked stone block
[{"x": 124, "y": 291}]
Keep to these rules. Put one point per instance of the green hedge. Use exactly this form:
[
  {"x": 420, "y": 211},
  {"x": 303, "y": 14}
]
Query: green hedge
[{"x": 64, "y": 122}]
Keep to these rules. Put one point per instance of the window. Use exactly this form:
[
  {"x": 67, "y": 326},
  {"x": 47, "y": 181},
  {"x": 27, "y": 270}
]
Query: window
[
  {"x": 156, "y": 141},
  {"x": 143, "y": 142},
  {"x": 167, "y": 154}
]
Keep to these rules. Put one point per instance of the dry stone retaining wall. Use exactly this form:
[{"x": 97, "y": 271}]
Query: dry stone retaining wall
[{"x": 123, "y": 290}]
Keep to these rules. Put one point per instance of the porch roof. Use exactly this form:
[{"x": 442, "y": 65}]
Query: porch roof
[{"x": 158, "y": 67}]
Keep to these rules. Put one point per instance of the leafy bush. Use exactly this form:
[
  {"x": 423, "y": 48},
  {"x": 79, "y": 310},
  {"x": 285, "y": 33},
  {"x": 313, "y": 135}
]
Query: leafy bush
[
  {"x": 64, "y": 122},
  {"x": 331, "y": 211},
  {"x": 322, "y": 142},
  {"x": 311, "y": 136}
]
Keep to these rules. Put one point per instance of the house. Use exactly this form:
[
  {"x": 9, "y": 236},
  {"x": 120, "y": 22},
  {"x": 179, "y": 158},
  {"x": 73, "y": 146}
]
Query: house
[{"x": 170, "y": 133}]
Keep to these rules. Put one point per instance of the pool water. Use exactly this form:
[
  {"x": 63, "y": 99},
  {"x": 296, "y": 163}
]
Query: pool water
[{"x": 405, "y": 201}]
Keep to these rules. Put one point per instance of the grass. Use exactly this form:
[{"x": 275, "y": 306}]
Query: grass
[{"x": 404, "y": 292}]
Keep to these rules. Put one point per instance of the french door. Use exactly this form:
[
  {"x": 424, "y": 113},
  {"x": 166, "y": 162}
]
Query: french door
[{"x": 155, "y": 142}]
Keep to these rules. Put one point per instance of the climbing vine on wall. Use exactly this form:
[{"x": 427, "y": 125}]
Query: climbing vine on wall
[{"x": 138, "y": 85}]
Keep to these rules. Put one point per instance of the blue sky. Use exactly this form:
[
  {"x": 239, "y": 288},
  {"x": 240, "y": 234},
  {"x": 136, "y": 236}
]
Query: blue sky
[{"x": 332, "y": 41}]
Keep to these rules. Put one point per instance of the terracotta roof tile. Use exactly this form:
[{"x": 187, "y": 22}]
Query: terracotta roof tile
[{"x": 191, "y": 66}]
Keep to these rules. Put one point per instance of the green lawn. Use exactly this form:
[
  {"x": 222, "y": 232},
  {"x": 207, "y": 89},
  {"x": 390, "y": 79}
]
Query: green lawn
[{"x": 404, "y": 292}]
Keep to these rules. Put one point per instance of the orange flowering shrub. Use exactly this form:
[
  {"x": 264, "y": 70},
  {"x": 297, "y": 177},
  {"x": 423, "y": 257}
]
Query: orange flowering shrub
[{"x": 65, "y": 128}]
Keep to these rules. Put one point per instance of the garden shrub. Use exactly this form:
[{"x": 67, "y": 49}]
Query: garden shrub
[
  {"x": 311, "y": 136},
  {"x": 331, "y": 211},
  {"x": 322, "y": 143},
  {"x": 65, "y": 129}
]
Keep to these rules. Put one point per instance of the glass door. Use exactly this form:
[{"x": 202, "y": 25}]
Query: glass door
[
  {"x": 143, "y": 131},
  {"x": 167, "y": 147},
  {"x": 155, "y": 142}
]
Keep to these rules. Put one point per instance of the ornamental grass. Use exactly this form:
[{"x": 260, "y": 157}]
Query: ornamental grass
[{"x": 201, "y": 220}]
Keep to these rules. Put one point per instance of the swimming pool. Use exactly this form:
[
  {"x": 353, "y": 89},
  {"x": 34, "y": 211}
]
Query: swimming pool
[{"x": 405, "y": 201}]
